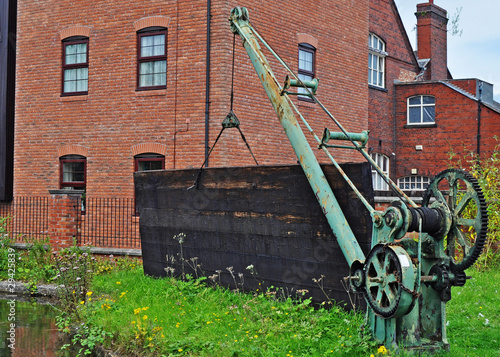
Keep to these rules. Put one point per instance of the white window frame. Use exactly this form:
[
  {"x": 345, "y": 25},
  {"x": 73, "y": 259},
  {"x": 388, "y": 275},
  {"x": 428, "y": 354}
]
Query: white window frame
[
  {"x": 383, "y": 162},
  {"x": 414, "y": 183},
  {"x": 422, "y": 106},
  {"x": 376, "y": 61}
]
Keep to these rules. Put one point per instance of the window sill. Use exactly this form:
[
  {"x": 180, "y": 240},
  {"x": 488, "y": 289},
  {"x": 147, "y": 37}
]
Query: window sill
[
  {"x": 419, "y": 126},
  {"x": 74, "y": 98},
  {"x": 371, "y": 86},
  {"x": 151, "y": 93}
]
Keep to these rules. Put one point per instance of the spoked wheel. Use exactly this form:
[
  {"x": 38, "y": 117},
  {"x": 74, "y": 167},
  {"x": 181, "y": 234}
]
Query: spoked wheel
[
  {"x": 461, "y": 193},
  {"x": 389, "y": 274}
]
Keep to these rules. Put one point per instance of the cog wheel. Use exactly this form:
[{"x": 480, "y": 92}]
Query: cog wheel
[
  {"x": 388, "y": 273},
  {"x": 461, "y": 193}
]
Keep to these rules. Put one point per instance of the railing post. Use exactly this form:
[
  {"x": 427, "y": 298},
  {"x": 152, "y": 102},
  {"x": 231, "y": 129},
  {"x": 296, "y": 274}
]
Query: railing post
[{"x": 63, "y": 217}]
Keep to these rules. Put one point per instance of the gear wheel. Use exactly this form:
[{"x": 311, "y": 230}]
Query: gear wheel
[{"x": 461, "y": 193}]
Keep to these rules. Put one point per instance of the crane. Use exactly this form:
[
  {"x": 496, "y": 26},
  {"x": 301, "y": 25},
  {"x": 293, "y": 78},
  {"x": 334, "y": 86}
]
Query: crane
[{"x": 417, "y": 252}]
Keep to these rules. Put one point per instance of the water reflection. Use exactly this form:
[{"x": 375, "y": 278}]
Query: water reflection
[{"x": 33, "y": 334}]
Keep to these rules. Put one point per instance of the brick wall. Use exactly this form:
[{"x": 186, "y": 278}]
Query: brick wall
[{"x": 114, "y": 119}]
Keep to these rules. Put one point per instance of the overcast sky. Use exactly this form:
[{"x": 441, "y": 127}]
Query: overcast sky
[{"x": 474, "y": 54}]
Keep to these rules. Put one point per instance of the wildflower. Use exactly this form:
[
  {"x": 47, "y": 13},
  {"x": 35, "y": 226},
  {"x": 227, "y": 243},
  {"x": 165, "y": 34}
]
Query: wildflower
[
  {"x": 137, "y": 311},
  {"x": 89, "y": 293},
  {"x": 145, "y": 317},
  {"x": 180, "y": 350},
  {"x": 382, "y": 350},
  {"x": 118, "y": 283},
  {"x": 82, "y": 302}
]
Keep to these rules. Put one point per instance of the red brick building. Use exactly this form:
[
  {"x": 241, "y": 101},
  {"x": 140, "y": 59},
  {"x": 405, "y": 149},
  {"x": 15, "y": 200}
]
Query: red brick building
[
  {"x": 105, "y": 88},
  {"x": 419, "y": 114}
]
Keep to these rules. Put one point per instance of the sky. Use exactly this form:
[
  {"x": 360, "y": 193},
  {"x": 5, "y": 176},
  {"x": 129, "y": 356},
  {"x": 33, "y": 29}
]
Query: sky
[{"x": 476, "y": 52}]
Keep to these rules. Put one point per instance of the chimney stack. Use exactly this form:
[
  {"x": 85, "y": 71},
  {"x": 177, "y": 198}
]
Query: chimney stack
[{"x": 432, "y": 39}]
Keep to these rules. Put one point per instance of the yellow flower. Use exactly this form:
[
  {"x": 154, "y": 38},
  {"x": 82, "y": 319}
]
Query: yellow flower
[
  {"x": 382, "y": 350},
  {"x": 145, "y": 317},
  {"x": 89, "y": 293},
  {"x": 118, "y": 283},
  {"x": 82, "y": 302},
  {"x": 137, "y": 311},
  {"x": 180, "y": 350}
]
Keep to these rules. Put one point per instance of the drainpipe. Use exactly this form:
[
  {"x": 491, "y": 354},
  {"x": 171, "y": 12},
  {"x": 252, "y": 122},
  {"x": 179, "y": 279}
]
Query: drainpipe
[
  {"x": 207, "y": 86},
  {"x": 479, "y": 119}
]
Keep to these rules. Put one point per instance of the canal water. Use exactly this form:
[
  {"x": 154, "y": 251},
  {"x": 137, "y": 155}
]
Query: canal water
[{"x": 27, "y": 328}]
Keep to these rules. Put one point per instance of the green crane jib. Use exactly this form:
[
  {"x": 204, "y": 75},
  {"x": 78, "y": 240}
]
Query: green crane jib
[{"x": 406, "y": 278}]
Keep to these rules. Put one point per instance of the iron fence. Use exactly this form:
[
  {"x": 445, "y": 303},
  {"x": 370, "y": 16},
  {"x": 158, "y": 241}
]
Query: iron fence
[
  {"x": 100, "y": 222},
  {"x": 109, "y": 223},
  {"x": 26, "y": 217}
]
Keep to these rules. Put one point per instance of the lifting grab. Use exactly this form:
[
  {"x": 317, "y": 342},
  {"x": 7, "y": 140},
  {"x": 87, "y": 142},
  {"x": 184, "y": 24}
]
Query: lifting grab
[{"x": 406, "y": 279}]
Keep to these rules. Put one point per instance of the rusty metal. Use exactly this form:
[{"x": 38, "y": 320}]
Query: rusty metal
[{"x": 406, "y": 281}]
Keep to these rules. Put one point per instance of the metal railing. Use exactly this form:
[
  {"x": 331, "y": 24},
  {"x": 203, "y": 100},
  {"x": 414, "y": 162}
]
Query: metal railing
[
  {"x": 104, "y": 223},
  {"x": 26, "y": 217},
  {"x": 109, "y": 223}
]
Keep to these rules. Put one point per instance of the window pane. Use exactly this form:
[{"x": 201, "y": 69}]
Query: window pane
[
  {"x": 153, "y": 45},
  {"x": 415, "y": 100},
  {"x": 428, "y": 99},
  {"x": 73, "y": 171},
  {"x": 303, "y": 77},
  {"x": 76, "y": 53},
  {"x": 305, "y": 61},
  {"x": 149, "y": 165},
  {"x": 146, "y": 68},
  {"x": 146, "y": 80},
  {"x": 428, "y": 113},
  {"x": 414, "y": 115}
]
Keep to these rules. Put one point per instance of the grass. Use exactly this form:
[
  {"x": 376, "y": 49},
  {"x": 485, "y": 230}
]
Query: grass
[
  {"x": 138, "y": 315},
  {"x": 473, "y": 315},
  {"x": 168, "y": 317}
]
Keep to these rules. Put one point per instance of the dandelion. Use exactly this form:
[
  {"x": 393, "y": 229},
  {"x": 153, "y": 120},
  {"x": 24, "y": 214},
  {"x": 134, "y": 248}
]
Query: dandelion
[
  {"x": 89, "y": 293},
  {"x": 180, "y": 350},
  {"x": 118, "y": 283},
  {"x": 145, "y": 317},
  {"x": 82, "y": 302}
]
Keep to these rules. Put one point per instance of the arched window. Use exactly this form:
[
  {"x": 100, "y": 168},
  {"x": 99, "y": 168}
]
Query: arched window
[
  {"x": 73, "y": 172},
  {"x": 421, "y": 110},
  {"x": 152, "y": 58},
  {"x": 75, "y": 65},
  {"x": 376, "y": 61},
  {"x": 378, "y": 182},
  {"x": 149, "y": 161}
]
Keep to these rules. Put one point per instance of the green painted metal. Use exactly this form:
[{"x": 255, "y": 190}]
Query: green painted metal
[
  {"x": 362, "y": 138},
  {"x": 406, "y": 279}
]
